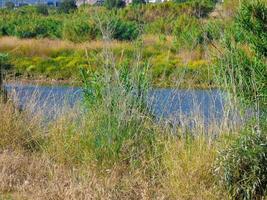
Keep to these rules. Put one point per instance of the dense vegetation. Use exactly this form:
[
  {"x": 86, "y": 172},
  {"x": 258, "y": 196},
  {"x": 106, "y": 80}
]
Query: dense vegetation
[
  {"x": 31, "y": 22},
  {"x": 178, "y": 34}
]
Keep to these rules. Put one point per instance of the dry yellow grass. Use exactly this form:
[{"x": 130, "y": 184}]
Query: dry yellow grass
[
  {"x": 17, "y": 131},
  {"x": 44, "y": 47},
  {"x": 24, "y": 176},
  {"x": 189, "y": 170},
  {"x": 40, "y": 173}
]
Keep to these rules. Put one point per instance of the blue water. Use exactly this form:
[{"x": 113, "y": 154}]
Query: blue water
[{"x": 167, "y": 104}]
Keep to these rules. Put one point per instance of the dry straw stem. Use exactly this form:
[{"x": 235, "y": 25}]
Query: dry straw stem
[{"x": 189, "y": 170}]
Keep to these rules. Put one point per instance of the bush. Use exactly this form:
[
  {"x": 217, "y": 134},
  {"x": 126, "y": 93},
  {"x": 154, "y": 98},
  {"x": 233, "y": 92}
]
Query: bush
[
  {"x": 40, "y": 27},
  {"x": 244, "y": 76},
  {"x": 120, "y": 29},
  {"x": 242, "y": 168},
  {"x": 67, "y": 6},
  {"x": 137, "y": 2},
  {"x": 200, "y": 8},
  {"x": 42, "y": 9},
  {"x": 110, "y": 4},
  {"x": 252, "y": 20},
  {"x": 162, "y": 25},
  {"x": 188, "y": 31},
  {"x": 79, "y": 30},
  {"x": 9, "y": 5},
  {"x": 242, "y": 64}
]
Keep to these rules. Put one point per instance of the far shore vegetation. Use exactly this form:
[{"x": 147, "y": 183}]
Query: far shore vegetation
[{"x": 178, "y": 39}]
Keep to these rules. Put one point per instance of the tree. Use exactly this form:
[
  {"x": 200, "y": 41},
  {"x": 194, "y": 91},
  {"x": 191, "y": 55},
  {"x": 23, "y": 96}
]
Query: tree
[
  {"x": 137, "y": 2},
  {"x": 10, "y": 5},
  {"x": 42, "y": 9},
  {"x": 67, "y": 6},
  {"x": 110, "y": 4},
  {"x": 252, "y": 19}
]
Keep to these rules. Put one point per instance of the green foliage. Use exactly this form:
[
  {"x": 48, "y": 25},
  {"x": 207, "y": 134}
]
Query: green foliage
[
  {"x": 164, "y": 65},
  {"x": 62, "y": 65},
  {"x": 200, "y": 8},
  {"x": 242, "y": 70},
  {"x": 122, "y": 30},
  {"x": 4, "y": 61},
  {"x": 244, "y": 76},
  {"x": 42, "y": 9},
  {"x": 67, "y": 6},
  {"x": 252, "y": 19},
  {"x": 42, "y": 27},
  {"x": 9, "y": 5},
  {"x": 80, "y": 29},
  {"x": 241, "y": 167},
  {"x": 116, "y": 101},
  {"x": 126, "y": 23},
  {"x": 138, "y": 2},
  {"x": 110, "y": 4},
  {"x": 214, "y": 30},
  {"x": 188, "y": 31},
  {"x": 160, "y": 26}
]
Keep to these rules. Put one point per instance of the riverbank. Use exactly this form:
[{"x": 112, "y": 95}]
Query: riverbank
[
  {"x": 43, "y": 82},
  {"x": 63, "y": 161},
  {"x": 58, "y": 162},
  {"x": 61, "y": 61}
]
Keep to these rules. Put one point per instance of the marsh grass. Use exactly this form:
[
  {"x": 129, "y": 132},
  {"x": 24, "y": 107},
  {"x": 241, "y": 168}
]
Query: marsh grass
[
  {"x": 15, "y": 135},
  {"x": 68, "y": 165}
]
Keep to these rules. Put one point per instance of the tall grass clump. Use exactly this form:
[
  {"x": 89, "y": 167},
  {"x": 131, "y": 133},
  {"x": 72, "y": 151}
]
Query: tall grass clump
[
  {"x": 118, "y": 127},
  {"x": 13, "y": 132},
  {"x": 242, "y": 166},
  {"x": 252, "y": 20},
  {"x": 121, "y": 127},
  {"x": 188, "y": 163},
  {"x": 242, "y": 68},
  {"x": 188, "y": 31},
  {"x": 243, "y": 75}
]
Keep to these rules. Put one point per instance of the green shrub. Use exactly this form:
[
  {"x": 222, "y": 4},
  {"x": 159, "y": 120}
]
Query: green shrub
[
  {"x": 169, "y": 11},
  {"x": 4, "y": 62},
  {"x": 118, "y": 121},
  {"x": 252, "y": 20},
  {"x": 40, "y": 27},
  {"x": 121, "y": 29},
  {"x": 188, "y": 31},
  {"x": 67, "y": 6},
  {"x": 164, "y": 65},
  {"x": 245, "y": 76},
  {"x": 42, "y": 9},
  {"x": 9, "y": 5},
  {"x": 138, "y": 2},
  {"x": 79, "y": 29},
  {"x": 214, "y": 30},
  {"x": 241, "y": 167},
  {"x": 160, "y": 26},
  {"x": 110, "y": 4},
  {"x": 200, "y": 8}
]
